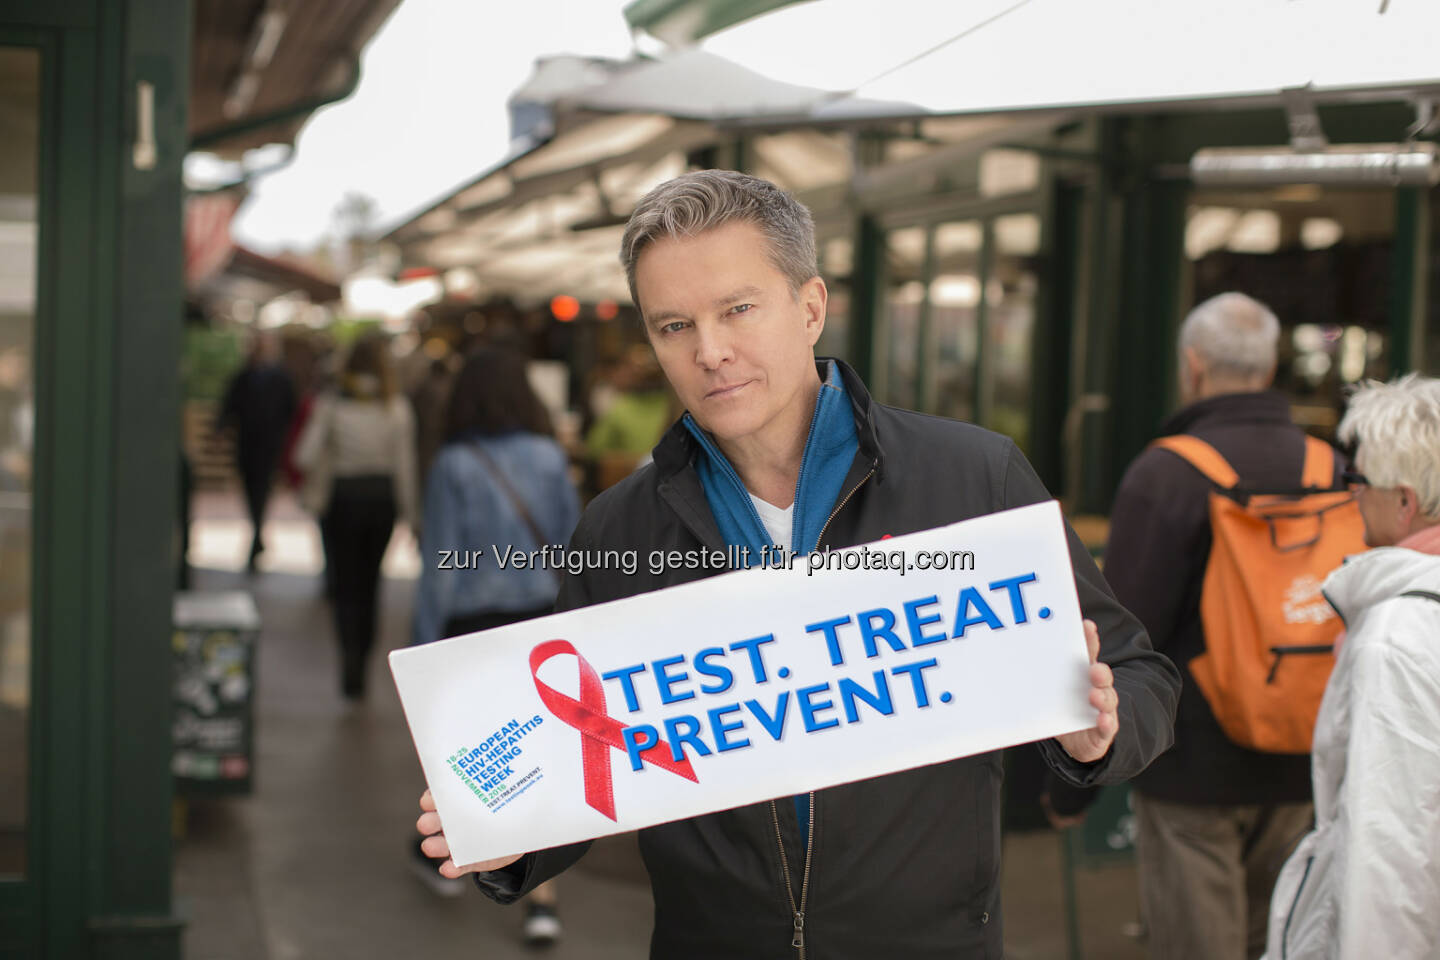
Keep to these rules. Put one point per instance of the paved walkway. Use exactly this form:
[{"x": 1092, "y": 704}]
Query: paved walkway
[{"x": 313, "y": 864}]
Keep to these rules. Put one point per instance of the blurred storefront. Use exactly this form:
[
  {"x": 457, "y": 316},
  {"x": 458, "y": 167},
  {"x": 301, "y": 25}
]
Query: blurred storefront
[
  {"x": 99, "y": 105},
  {"x": 1012, "y": 239}
]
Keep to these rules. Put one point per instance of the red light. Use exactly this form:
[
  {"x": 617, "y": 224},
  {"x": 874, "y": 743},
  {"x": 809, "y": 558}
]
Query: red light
[
  {"x": 607, "y": 309},
  {"x": 416, "y": 273},
  {"x": 565, "y": 308}
]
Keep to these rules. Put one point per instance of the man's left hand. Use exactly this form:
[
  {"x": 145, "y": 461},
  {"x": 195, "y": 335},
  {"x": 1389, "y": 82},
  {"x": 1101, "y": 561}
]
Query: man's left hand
[{"x": 1090, "y": 745}]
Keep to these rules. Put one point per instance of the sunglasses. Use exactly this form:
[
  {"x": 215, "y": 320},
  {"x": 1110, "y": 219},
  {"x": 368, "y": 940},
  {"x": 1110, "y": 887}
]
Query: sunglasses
[{"x": 1352, "y": 478}]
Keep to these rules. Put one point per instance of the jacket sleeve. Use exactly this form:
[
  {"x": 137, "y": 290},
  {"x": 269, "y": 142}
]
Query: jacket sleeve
[
  {"x": 533, "y": 869},
  {"x": 1389, "y": 808},
  {"x": 1147, "y": 683}
]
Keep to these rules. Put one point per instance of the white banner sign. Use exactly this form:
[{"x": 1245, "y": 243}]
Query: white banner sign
[{"x": 811, "y": 671}]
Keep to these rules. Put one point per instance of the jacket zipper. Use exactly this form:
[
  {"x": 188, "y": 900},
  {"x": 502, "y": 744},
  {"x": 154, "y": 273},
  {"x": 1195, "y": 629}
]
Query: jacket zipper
[
  {"x": 1285, "y": 934},
  {"x": 798, "y": 940},
  {"x": 841, "y": 505}
]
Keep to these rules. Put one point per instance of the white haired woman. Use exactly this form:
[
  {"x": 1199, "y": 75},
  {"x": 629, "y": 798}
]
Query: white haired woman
[{"x": 1366, "y": 881}]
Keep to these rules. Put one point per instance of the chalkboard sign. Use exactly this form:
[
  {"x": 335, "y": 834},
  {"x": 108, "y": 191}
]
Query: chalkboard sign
[{"x": 213, "y": 691}]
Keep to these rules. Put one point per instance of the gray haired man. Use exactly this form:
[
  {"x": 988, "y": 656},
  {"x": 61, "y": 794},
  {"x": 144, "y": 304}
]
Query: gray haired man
[
  {"x": 777, "y": 448},
  {"x": 1216, "y": 819}
]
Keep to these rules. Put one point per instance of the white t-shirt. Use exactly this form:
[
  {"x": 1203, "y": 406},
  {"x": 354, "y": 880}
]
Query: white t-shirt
[{"x": 777, "y": 522}]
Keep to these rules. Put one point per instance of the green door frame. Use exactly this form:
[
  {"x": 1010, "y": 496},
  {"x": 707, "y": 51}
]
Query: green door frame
[{"x": 108, "y": 301}]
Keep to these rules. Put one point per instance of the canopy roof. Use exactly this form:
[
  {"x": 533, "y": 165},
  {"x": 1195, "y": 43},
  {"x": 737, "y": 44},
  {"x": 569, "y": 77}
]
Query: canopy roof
[
  {"x": 986, "y": 56},
  {"x": 257, "y": 58}
]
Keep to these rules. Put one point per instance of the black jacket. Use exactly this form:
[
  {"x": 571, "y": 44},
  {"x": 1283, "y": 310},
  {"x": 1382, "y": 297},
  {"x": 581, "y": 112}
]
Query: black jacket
[
  {"x": 905, "y": 865},
  {"x": 1155, "y": 561}
]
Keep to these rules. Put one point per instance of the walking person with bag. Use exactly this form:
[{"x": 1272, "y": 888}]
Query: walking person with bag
[
  {"x": 500, "y": 482},
  {"x": 1219, "y": 540},
  {"x": 358, "y": 454}
]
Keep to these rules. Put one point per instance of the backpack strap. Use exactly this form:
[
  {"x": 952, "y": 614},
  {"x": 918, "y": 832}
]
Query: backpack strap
[
  {"x": 1319, "y": 468},
  {"x": 1202, "y": 457}
]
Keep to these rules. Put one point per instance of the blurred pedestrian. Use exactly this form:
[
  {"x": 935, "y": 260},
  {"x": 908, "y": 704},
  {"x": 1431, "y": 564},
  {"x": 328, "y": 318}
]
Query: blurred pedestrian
[
  {"x": 1366, "y": 881},
  {"x": 634, "y": 419},
  {"x": 258, "y": 406},
  {"x": 430, "y": 400},
  {"x": 500, "y": 481},
  {"x": 1216, "y": 819},
  {"x": 358, "y": 451}
]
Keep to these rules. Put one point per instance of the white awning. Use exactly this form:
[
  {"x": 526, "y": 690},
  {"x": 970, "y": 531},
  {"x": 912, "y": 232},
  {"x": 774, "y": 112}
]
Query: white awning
[
  {"x": 1007, "y": 55},
  {"x": 698, "y": 85}
]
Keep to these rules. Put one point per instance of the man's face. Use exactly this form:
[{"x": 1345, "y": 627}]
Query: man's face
[{"x": 736, "y": 345}]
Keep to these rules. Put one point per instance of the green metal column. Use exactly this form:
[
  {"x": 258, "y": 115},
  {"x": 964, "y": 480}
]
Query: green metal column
[
  {"x": 133, "y": 916},
  {"x": 1089, "y": 420},
  {"x": 1054, "y": 318},
  {"x": 1409, "y": 276},
  {"x": 1149, "y": 316},
  {"x": 864, "y": 296}
]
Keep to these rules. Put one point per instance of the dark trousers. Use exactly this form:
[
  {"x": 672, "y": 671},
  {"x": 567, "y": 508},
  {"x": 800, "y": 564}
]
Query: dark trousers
[
  {"x": 357, "y": 526},
  {"x": 257, "y": 473}
]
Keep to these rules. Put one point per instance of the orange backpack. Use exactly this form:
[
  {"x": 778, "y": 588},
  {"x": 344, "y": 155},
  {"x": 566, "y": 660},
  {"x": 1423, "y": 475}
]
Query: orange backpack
[{"x": 1269, "y": 633}]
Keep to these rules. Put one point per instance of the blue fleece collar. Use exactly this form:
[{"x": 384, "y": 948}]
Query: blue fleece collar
[{"x": 830, "y": 448}]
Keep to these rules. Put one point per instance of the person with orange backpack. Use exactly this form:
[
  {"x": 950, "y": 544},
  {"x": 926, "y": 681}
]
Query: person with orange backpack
[{"x": 1221, "y": 534}]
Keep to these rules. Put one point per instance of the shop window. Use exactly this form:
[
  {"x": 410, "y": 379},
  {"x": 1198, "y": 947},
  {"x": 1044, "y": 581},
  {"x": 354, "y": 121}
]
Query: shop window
[
  {"x": 954, "y": 315},
  {"x": 1320, "y": 258},
  {"x": 904, "y": 297},
  {"x": 1010, "y": 294}
]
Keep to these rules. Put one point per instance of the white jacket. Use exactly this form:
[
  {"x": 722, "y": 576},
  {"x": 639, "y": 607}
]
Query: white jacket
[{"x": 1366, "y": 882}]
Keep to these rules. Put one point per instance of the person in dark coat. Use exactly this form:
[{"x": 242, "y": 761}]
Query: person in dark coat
[
  {"x": 258, "y": 406},
  {"x": 777, "y": 447},
  {"x": 1216, "y": 820}
]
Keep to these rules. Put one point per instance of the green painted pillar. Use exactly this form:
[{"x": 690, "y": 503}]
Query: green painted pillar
[
  {"x": 1409, "y": 276},
  {"x": 864, "y": 296}
]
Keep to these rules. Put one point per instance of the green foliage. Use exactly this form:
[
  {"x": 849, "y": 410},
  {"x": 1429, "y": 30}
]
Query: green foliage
[{"x": 208, "y": 358}]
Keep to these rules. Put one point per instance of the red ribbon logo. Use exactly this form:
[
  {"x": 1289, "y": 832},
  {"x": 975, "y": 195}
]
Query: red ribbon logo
[{"x": 598, "y": 730}]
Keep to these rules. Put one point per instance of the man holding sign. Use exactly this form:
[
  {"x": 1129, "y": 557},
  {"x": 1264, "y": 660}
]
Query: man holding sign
[{"x": 779, "y": 451}]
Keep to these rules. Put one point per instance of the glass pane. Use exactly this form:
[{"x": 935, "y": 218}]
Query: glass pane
[
  {"x": 1010, "y": 321},
  {"x": 904, "y": 295},
  {"x": 954, "y": 301},
  {"x": 19, "y": 132},
  {"x": 1318, "y": 257}
]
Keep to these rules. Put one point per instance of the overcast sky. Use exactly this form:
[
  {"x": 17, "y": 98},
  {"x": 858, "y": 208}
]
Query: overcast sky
[{"x": 429, "y": 113}]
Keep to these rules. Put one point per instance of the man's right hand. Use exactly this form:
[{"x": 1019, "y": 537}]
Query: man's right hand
[{"x": 434, "y": 844}]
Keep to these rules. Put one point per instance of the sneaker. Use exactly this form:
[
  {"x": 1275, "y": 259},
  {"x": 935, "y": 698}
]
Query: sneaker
[
  {"x": 427, "y": 870},
  {"x": 542, "y": 926}
]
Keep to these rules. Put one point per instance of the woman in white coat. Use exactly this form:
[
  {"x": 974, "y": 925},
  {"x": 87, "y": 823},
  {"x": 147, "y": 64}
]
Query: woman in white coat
[{"x": 1366, "y": 882}]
